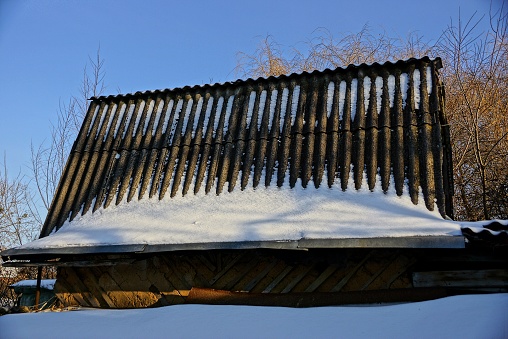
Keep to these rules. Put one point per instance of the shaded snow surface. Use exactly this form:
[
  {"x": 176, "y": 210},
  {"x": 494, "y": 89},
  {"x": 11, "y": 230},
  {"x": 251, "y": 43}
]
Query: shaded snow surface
[
  {"x": 263, "y": 214},
  {"x": 471, "y": 316}
]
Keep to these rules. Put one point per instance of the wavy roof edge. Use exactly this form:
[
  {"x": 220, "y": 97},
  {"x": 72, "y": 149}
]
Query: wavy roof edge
[{"x": 348, "y": 68}]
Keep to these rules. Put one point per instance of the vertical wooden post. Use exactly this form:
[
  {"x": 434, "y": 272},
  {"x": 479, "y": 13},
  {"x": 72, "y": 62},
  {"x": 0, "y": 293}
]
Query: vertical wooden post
[{"x": 38, "y": 290}]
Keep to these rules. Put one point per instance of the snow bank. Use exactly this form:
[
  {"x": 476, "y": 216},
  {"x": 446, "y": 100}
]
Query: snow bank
[{"x": 471, "y": 316}]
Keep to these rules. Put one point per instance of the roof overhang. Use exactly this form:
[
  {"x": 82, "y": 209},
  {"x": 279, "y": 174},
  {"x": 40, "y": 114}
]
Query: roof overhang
[{"x": 32, "y": 257}]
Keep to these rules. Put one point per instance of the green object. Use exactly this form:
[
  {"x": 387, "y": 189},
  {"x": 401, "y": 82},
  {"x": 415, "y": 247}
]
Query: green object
[{"x": 26, "y": 290}]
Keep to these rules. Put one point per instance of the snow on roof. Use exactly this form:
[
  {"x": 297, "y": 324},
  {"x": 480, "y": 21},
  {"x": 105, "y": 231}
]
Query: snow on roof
[
  {"x": 493, "y": 231},
  {"x": 48, "y": 284},
  {"x": 384, "y": 120},
  {"x": 262, "y": 214},
  {"x": 353, "y": 153}
]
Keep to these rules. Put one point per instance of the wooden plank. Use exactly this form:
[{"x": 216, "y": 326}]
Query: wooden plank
[
  {"x": 379, "y": 272},
  {"x": 398, "y": 268},
  {"x": 96, "y": 289},
  {"x": 62, "y": 288},
  {"x": 74, "y": 280},
  {"x": 260, "y": 276},
  {"x": 157, "y": 273},
  {"x": 221, "y": 297},
  {"x": 161, "y": 286},
  {"x": 206, "y": 262},
  {"x": 237, "y": 276},
  {"x": 277, "y": 280},
  {"x": 297, "y": 279},
  {"x": 322, "y": 277},
  {"x": 225, "y": 269},
  {"x": 348, "y": 276},
  {"x": 183, "y": 272},
  {"x": 466, "y": 278}
]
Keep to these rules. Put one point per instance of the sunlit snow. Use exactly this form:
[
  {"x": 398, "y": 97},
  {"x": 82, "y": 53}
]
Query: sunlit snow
[
  {"x": 262, "y": 214},
  {"x": 466, "y": 316}
]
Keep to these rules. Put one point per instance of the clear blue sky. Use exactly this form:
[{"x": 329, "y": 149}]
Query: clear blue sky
[{"x": 151, "y": 44}]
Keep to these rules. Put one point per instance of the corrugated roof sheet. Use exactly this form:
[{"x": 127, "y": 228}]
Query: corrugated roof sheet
[
  {"x": 493, "y": 232},
  {"x": 382, "y": 122}
]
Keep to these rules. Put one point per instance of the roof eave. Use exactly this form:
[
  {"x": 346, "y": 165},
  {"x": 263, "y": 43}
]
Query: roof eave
[{"x": 430, "y": 242}]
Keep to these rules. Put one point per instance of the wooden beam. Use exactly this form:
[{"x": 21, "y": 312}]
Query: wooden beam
[
  {"x": 302, "y": 299},
  {"x": 467, "y": 278},
  {"x": 325, "y": 275},
  {"x": 226, "y": 269},
  {"x": 297, "y": 279},
  {"x": 277, "y": 280},
  {"x": 260, "y": 276}
]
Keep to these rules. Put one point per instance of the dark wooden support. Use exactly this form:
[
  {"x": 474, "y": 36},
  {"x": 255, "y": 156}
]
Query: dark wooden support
[
  {"x": 221, "y": 297},
  {"x": 38, "y": 288}
]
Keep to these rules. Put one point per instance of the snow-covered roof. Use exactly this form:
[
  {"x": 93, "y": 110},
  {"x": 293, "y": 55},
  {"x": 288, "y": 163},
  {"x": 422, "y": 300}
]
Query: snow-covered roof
[
  {"x": 355, "y": 153},
  {"x": 48, "y": 284},
  {"x": 293, "y": 217}
]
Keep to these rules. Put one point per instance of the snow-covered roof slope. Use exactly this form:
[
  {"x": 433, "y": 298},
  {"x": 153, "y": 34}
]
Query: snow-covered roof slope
[
  {"x": 253, "y": 215},
  {"x": 355, "y": 153},
  {"x": 376, "y": 124}
]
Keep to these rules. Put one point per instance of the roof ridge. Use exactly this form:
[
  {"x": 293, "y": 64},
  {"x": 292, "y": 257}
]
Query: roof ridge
[{"x": 346, "y": 69}]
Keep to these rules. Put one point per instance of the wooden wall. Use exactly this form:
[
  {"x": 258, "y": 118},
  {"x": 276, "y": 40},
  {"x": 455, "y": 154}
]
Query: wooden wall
[
  {"x": 281, "y": 277},
  {"x": 166, "y": 279}
]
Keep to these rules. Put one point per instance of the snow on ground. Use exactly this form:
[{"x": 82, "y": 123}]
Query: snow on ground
[
  {"x": 262, "y": 214},
  {"x": 468, "y": 316}
]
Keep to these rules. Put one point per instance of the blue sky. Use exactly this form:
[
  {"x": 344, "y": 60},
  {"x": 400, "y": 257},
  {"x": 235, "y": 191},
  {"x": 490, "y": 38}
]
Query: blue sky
[{"x": 152, "y": 44}]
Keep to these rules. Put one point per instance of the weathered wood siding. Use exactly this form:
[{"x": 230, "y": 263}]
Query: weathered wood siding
[
  {"x": 167, "y": 279},
  {"x": 289, "y": 278}
]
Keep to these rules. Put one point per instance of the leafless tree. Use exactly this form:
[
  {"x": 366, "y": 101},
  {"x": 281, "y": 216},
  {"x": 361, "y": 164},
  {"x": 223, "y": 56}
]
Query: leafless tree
[
  {"x": 48, "y": 159},
  {"x": 19, "y": 223},
  {"x": 477, "y": 105},
  {"x": 476, "y": 81},
  {"x": 324, "y": 50}
]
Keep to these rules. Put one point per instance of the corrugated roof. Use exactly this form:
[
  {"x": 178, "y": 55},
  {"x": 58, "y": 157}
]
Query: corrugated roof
[
  {"x": 493, "y": 232},
  {"x": 382, "y": 122}
]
